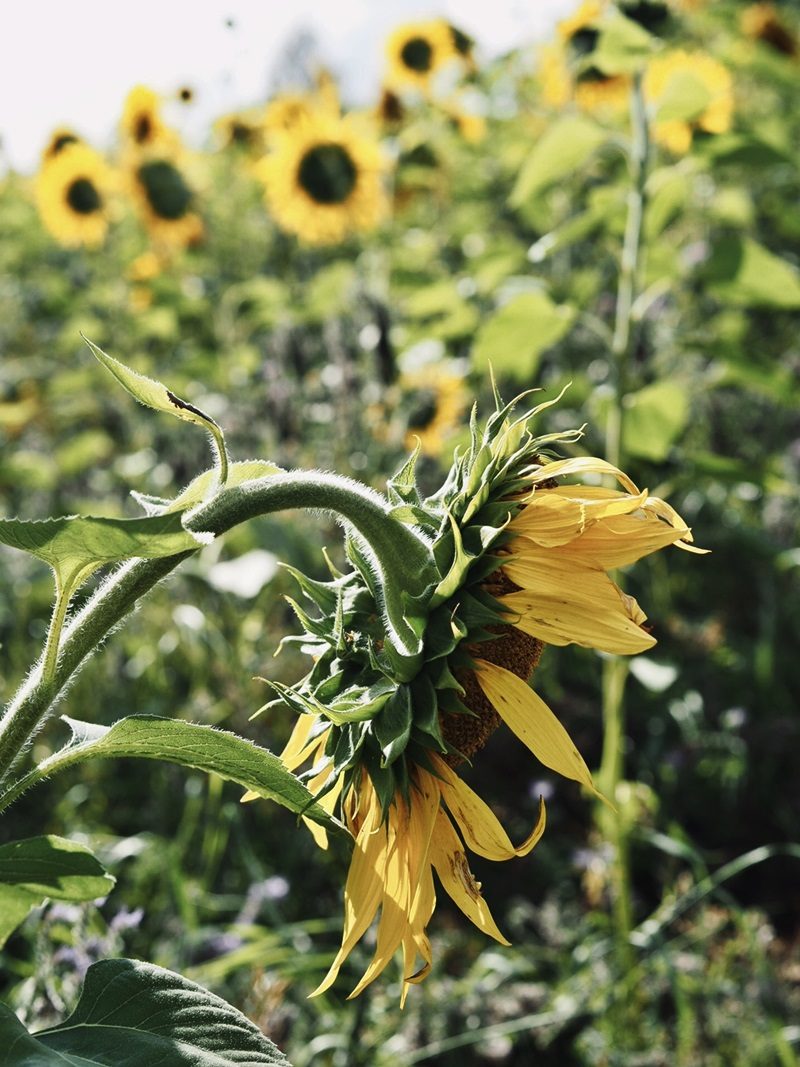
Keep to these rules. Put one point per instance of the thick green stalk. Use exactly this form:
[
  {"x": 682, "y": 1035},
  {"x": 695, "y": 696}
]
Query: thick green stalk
[
  {"x": 615, "y": 670},
  {"x": 402, "y": 558}
]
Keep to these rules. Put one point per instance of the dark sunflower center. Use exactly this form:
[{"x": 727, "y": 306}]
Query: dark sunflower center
[
  {"x": 142, "y": 128},
  {"x": 186, "y": 95},
  {"x": 462, "y": 43},
  {"x": 167, "y": 193},
  {"x": 424, "y": 411},
  {"x": 593, "y": 76},
  {"x": 417, "y": 54},
  {"x": 61, "y": 143},
  {"x": 83, "y": 197},
  {"x": 327, "y": 173},
  {"x": 240, "y": 133},
  {"x": 651, "y": 15},
  {"x": 584, "y": 41}
]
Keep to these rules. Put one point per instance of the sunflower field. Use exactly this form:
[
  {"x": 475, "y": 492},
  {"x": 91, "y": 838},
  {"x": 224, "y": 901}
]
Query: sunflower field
[{"x": 499, "y": 384}]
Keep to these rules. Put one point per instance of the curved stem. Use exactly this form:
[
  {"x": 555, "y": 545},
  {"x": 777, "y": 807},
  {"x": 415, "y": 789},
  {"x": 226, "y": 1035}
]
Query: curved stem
[{"x": 402, "y": 557}]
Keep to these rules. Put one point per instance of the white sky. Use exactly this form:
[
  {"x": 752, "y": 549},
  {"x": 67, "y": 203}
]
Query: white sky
[{"x": 73, "y": 62}]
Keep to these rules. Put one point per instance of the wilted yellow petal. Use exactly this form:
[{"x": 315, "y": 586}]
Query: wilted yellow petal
[
  {"x": 581, "y": 465},
  {"x": 478, "y": 824},
  {"x": 327, "y": 803},
  {"x": 363, "y": 890},
  {"x": 524, "y": 712},
  {"x": 564, "y": 599},
  {"x": 450, "y": 862},
  {"x": 552, "y": 518}
]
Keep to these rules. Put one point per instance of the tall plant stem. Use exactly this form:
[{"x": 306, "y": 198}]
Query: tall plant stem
[
  {"x": 402, "y": 559},
  {"x": 615, "y": 670}
]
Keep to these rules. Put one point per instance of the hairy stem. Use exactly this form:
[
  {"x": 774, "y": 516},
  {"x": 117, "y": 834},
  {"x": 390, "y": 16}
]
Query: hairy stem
[
  {"x": 615, "y": 670},
  {"x": 402, "y": 557}
]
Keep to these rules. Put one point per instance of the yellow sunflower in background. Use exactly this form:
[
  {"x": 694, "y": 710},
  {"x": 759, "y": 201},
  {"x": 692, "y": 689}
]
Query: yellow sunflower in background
[
  {"x": 60, "y": 138},
  {"x": 241, "y": 130},
  {"x": 323, "y": 180},
  {"x": 579, "y": 30},
  {"x": 463, "y": 46},
  {"x": 165, "y": 202},
  {"x": 417, "y": 52},
  {"x": 597, "y": 92},
  {"x": 390, "y": 110},
  {"x": 438, "y": 397},
  {"x": 677, "y": 70},
  {"x": 762, "y": 22},
  {"x": 141, "y": 125},
  {"x": 72, "y": 192},
  {"x": 286, "y": 112},
  {"x": 521, "y": 549}
]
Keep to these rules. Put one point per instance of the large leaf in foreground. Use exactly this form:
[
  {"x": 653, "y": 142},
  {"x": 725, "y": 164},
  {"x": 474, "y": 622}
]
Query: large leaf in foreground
[
  {"x": 38, "y": 868},
  {"x": 133, "y": 1014},
  {"x": 188, "y": 744},
  {"x": 76, "y": 545}
]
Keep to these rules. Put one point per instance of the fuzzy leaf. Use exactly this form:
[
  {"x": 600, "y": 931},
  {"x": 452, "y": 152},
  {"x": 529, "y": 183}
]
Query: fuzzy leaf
[
  {"x": 38, "y": 868},
  {"x": 191, "y": 745},
  {"x": 152, "y": 393},
  {"x": 131, "y": 1014},
  {"x": 75, "y": 545}
]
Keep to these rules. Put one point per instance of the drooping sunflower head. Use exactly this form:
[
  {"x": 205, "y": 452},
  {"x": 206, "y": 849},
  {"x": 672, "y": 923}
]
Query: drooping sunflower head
[
  {"x": 72, "y": 192},
  {"x": 699, "y": 75},
  {"x": 165, "y": 202},
  {"x": 323, "y": 180},
  {"x": 59, "y": 139},
  {"x": 508, "y": 558},
  {"x": 417, "y": 52},
  {"x": 141, "y": 125}
]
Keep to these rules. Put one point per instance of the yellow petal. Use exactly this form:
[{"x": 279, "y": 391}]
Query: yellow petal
[
  {"x": 363, "y": 889},
  {"x": 409, "y": 833},
  {"x": 524, "y": 712},
  {"x": 450, "y": 863},
  {"x": 478, "y": 824},
  {"x": 566, "y": 599},
  {"x": 552, "y": 518},
  {"x": 327, "y": 803},
  {"x": 581, "y": 465}
]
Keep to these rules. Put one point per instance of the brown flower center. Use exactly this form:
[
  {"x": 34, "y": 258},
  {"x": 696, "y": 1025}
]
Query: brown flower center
[{"x": 512, "y": 649}]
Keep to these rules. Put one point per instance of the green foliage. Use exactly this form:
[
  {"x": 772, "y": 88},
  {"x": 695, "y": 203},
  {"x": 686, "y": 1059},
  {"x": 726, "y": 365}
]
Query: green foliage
[
  {"x": 39, "y": 868},
  {"x": 146, "y": 1015},
  {"x": 514, "y": 337},
  {"x": 307, "y": 356}
]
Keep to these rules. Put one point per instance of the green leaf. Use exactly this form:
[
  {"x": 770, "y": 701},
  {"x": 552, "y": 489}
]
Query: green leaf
[
  {"x": 743, "y": 272},
  {"x": 155, "y": 395},
  {"x": 188, "y": 744},
  {"x": 685, "y": 98},
  {"x": 564, "y": 147},
  {"x": 76, "y": 545},
  {"x": 653, "y": 419},
  {"x": 133, "y": 1014},
  {"x": 198, "y": 489},
  {"x": 623, "y": 46},
  {"x": 38, "y": 868},
  {"x": 514, "y": 337},
  {"x": 152, "y": 393}
]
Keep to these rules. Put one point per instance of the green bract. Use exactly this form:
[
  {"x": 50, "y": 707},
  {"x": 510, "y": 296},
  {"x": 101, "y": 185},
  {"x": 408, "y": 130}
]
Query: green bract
[{"x": 383, "y": 708}]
